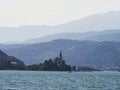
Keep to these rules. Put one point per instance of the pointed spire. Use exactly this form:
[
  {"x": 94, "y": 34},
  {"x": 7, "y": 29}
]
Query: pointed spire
[{"x": 61, "y": 57}]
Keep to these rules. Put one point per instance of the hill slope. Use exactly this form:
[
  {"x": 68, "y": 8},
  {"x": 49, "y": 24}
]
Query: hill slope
[
  {"x": 104, "y": 54},
  {"x": 9, "y": 62}
]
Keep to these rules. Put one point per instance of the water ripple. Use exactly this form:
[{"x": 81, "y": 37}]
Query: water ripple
[{"x": 38, "y": 80}]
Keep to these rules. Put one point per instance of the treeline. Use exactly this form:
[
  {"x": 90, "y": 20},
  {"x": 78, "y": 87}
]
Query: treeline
[
  {"x": 56, "y": 64},
  {"x": 50, "y": 65},
  {"x": 10, "y": 63}
]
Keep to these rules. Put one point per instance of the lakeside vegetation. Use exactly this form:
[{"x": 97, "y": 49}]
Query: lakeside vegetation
[{"x": 56, "y": 64}]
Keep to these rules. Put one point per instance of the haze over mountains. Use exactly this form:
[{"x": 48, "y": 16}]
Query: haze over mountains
[
  {"x": 99, "y": 22},
  {"x": 107, "y": 35},
  {"x": 93, "y": 41}
]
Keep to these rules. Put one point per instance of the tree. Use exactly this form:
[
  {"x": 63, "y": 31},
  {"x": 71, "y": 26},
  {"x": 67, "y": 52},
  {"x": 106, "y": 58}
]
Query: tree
[
  {"x": 74, "y": 68},
  {"x": 56, "y": 64}
]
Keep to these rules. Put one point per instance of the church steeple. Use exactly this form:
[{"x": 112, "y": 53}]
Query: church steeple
[{"x": 61, "y": 57}]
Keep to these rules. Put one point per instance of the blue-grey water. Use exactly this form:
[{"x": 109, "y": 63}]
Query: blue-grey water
[{"x": 38, "y": 80}]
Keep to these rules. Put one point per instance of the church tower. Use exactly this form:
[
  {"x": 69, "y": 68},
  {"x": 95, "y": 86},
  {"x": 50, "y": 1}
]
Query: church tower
[{"x": 61, "y": 57}]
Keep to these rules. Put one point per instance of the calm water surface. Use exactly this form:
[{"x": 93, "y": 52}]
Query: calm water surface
[{"x": 38, "y": 80}]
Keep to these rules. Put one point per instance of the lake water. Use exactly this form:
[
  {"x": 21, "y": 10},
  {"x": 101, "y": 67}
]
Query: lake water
[{"x": 38, "y": 80}]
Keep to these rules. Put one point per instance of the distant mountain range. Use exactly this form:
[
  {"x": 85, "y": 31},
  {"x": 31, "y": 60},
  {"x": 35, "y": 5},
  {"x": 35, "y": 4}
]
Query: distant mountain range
[
  {"x": 98, "y": 22},
  {"x": 94, "y": 54},
  {"x": 107, "y": 35},
  {"x": 82, "y": 42}
]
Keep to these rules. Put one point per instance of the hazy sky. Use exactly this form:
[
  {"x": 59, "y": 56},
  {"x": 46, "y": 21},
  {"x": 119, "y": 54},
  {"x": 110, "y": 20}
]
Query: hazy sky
[
  {"x": 45, "y": 12},
  {"x": 51, "y": 12}
]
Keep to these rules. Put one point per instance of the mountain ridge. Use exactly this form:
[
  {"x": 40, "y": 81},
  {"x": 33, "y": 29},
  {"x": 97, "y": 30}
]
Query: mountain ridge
[
  {"x": 98, "y": 22},
  {"x": 105, "y": 54},
  {"x": 106, "y": 35}
]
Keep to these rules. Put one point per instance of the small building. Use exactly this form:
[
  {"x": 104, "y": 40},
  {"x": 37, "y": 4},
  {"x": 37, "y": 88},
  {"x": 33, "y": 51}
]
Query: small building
[{"x": 14, "y": 63}]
